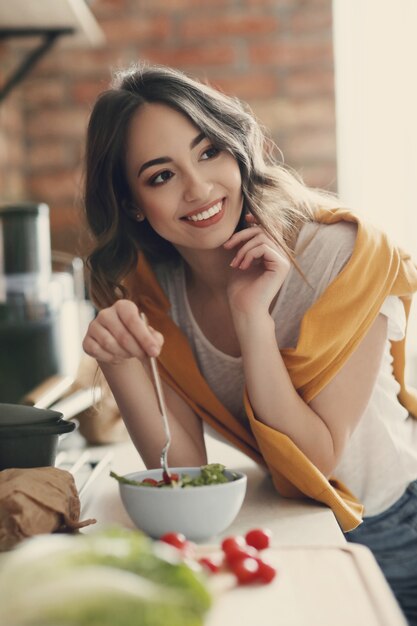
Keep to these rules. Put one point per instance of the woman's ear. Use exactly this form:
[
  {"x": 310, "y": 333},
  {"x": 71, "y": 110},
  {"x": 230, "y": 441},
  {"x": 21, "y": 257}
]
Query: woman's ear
[{"x": 133, "y": 211}]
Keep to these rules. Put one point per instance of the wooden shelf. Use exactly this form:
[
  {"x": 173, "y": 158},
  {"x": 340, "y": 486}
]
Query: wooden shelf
[
  {"x": 49, "y": 15},
  {"x": 67, "y": 23}
]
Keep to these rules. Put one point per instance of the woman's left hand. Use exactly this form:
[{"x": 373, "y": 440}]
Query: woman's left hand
[{"x": 260, "y": 269}]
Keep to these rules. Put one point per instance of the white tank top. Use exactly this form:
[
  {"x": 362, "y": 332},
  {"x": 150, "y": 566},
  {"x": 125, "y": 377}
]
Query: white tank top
[{"x": 380, "y": 459}]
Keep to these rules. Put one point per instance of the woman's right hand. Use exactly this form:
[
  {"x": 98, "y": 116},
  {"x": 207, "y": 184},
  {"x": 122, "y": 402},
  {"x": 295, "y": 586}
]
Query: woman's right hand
[{"x": 119, "y": 333}]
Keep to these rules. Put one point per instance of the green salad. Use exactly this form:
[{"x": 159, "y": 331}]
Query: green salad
[
  {"x": 211, "y": 474},
  {"x": 114, "y": 577}
]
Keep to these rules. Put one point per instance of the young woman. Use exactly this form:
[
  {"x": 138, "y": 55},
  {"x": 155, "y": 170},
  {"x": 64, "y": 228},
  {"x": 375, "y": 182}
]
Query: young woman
[{"x": 277, "y": 318}]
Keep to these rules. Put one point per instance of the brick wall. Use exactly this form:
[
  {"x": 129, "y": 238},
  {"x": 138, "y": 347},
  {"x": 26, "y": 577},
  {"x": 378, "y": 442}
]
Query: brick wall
[
  {"x": 276, "y": 54},
  {"x": 12, "y": 179}
]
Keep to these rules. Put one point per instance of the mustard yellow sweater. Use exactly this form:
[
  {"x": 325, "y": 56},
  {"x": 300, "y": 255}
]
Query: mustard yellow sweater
[{"x": 351, "y": 302}]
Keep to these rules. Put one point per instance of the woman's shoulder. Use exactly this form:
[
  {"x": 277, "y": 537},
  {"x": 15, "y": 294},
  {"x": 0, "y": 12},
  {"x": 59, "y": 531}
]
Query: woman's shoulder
[
  {"x": 323, "y": 250},
  {"x": 326, "y": 241},
  {"x": 335, "y": 235}
]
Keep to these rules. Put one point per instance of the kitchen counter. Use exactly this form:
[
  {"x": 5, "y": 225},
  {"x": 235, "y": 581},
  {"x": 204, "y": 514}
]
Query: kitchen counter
[
  {"x": 293, "y": 522},
  {"x": 322, "y": 580}
]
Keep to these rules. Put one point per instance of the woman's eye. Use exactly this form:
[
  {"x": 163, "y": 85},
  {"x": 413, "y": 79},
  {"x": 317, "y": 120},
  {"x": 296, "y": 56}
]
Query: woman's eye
[
  {"x": 210, "y": 153},
  {"x": 161, "y": 178}
]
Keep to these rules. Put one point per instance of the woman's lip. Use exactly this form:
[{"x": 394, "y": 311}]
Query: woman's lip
[
  {"x": 202, "y": 209},
  {"x": 209, "y": 221}
]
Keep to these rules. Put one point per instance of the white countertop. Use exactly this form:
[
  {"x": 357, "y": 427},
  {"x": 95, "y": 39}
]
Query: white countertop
[
  {"x": 293, "y": 522},
  {"x": 322, "y": 580}
]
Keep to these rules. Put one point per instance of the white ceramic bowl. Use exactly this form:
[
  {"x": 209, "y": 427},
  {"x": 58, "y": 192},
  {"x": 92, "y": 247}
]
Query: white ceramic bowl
[{"x": 197, "y": 512}]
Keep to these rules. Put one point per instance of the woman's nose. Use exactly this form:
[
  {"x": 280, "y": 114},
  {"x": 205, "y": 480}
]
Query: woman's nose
[{"x": 196, "y": 188}]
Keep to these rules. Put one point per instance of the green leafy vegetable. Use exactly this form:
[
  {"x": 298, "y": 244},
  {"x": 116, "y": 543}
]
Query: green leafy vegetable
[
  {"x": 211, "y": 474},
  {"x": 103, "y": 579}
]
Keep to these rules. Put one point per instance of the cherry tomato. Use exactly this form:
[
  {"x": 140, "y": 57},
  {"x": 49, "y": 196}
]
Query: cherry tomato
[
  {"x": 175, "y": 539},
  {"x": 259, "y": 538},
  {"x": 150, "y": 481},
  {"x": 209, "y": 564},
  {"x": 239, "y": 554},
  {"x": 246, "y": 570},
  {"x": 168, "y": 479},
  {"x": 266, "y": 572},
  {"x": 233, "y": 543}
]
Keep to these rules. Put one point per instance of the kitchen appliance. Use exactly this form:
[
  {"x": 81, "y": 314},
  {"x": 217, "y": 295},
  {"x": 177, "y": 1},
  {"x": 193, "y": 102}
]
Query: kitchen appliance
[
  {"x": 29, "y": 436},
  {"x": 40, "y": 309}
]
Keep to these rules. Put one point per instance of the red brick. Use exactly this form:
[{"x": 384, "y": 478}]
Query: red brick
[
  {"x": 12, "y": 185},
  {"x": 320, "y": 175},
  {"x": 86, "y": 91},
  {"x": 310, "y": 146},
  {"x": 102, "y": 8},
  {"x": 238, "y": 23},
  {"x": 20, "y": 46},
  {"x": 311, "y": 20},
  {"x": 304, "y": 5},
  {"x": 289, "y": 54},
  {"x": 57, "y": 123},
  {"x": 69, "y": 231},
  {"x": 69, "y": 240},
  {"x": 224, "y": 54},
  {"x": 4, "y": 144},
  {"x": 287, "y": 113},
  {"x": 13, "y": 149},
  {"x": 44, "y": 91},
  {"x": 248, "y": 85},
  {"x": 282, "y": 4},
  {"x": 135, "y": 29},
  {"x": 49, "y": 155},
  {"x": 301, "y": 82},
  {"x": 11, "y": 115},
  {"x": 53, "y": 187},
  {"x": 64, "y": 215},
  {"x": 82, "y": 62},
  {"x": 170, "y": 6}
]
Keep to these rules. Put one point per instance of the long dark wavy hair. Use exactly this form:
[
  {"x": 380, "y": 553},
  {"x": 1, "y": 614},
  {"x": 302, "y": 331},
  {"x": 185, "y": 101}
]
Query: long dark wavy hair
[{"x": 275, "y": 196}]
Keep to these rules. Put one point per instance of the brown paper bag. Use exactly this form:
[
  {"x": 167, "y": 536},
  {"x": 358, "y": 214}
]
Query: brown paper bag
[{"x": 35, "y": 501}]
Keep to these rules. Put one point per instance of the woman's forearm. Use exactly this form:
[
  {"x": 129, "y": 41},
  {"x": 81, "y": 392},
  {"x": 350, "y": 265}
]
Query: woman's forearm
[
  {"x": 272, "y": 395},
  {"x": 135, "y": 396}
]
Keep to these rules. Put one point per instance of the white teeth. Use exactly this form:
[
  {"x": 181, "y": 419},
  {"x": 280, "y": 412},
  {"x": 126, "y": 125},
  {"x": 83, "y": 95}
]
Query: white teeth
[{"x": 204, "y": 215}]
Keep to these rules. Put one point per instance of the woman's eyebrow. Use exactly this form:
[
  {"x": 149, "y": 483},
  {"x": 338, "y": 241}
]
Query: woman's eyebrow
[
  {"x": 197, "y": 140},
  {"x": 166, "y": 159}
]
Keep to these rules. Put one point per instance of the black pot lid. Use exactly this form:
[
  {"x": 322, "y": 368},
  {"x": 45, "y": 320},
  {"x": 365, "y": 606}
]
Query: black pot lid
[{"x": 19, "y": 414}]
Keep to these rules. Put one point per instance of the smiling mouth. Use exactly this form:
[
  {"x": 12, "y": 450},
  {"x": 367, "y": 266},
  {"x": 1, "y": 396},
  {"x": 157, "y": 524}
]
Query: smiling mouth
[{"x": 206, "y": 215}]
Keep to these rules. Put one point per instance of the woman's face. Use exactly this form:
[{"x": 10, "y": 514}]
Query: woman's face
[{"x": 188, "y": 190}]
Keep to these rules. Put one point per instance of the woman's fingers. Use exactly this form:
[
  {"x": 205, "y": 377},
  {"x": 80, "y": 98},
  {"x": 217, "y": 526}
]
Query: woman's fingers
[
  {"x": 118, "y": 333},
  {"x": 259, "y": 240},
  {"x": 114, "y": 336},
  {"x": 250, "y": 219},
  {"x": 263, "y": 251},
  {"x": 144, "y": 335},
  {"x": 93, "y": 349},
  {"x": 242, "y": 236},
  {"x": 106, "y": 338},
  {"x": 251, "y": 243}
]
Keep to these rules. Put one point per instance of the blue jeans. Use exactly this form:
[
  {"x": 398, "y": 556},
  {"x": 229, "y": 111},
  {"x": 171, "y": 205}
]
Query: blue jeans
[{"x": 392, "y": 538}]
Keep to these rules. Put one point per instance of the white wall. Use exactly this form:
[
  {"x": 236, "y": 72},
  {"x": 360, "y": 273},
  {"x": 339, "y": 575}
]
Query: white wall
[{"x": 376, "y": 105}]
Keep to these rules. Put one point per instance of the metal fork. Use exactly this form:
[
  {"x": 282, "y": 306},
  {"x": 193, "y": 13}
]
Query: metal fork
[{"x": 162, "y": 409}]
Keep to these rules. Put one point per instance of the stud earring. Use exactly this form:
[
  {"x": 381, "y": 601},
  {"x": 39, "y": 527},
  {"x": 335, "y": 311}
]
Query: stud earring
[{"x": 139, "y": 216}]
